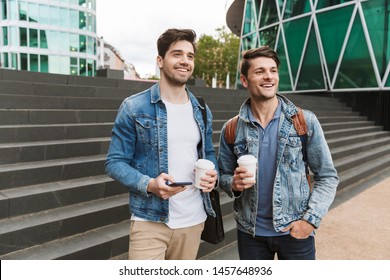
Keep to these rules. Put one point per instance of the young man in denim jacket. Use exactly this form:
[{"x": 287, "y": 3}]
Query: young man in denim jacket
[
  {"x": 154, "y": 141},
  {"x": 277, "y": 213}
]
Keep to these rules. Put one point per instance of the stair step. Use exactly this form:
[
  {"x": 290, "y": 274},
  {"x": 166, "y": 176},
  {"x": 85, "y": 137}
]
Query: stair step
[
  {"x": 42, "y": 197},
  {"x": 50, "y": 150},
  {"x": 31, "y": 173},
  {"x": 100, "y": 244},
  {"x": 38, "y": 228}
]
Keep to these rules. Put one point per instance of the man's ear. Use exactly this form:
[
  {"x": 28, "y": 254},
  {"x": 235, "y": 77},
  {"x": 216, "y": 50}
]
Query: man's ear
[
  {"x": 244, "y": 80},
  {"x": 159, "y": 61}
]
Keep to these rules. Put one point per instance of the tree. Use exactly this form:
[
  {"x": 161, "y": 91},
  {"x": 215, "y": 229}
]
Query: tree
[{"x": 217, "y": 57}]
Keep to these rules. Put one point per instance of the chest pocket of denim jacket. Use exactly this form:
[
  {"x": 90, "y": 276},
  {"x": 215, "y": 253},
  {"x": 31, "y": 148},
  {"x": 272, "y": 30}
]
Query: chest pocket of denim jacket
[
  {"x": 292, "y": 153},
  {"x": 241, "y": 148},
  {"x": 147, "y": 129}
]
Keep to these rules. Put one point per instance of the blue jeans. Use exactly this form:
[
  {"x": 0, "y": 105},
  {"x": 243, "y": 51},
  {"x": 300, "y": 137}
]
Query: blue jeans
[{"x": 264, "y": 248}]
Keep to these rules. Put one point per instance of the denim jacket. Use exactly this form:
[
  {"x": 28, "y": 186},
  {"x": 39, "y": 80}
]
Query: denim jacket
[
  {"x": 139, "y": 150},
  {"x": 292, "y": 199}
]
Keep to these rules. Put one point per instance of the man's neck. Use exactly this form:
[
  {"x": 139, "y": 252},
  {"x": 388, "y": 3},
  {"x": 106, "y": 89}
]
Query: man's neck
[
  {"x": 175, "y": 94},
  {"x": 264, "y": 111}
]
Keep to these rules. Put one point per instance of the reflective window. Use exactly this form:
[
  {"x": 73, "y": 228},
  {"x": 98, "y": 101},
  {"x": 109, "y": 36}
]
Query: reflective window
[
  {"x": 13, "y": 10},
  {"x": 3, "y": 9},
  {"x": 377, "y": 18},
  {"x": 284, "y": 76},
  {"x": 23, "y": 36},
  {"x": 54, "y": 16},
  {"x": 83, "y": 67},
  {"x": 23, "y": 61},
  {"x": 249, "y": 41},
  {"x": 296, "y": 8},
  {"x": 83, "y": 43},
  {"x": 90, "y": 68},
  {"x": 44, "y": 14},
  {"x": 295, "y": 33},
  {"x": 311, "y": 75},
  {"x": 59, "y": 64},
  {"x": 5, "y": 36},
  {"x": 74, "y": 19},
  {"x": 250, "y": 18},
  {"x": 64, "y": 17},
  {"x": 22, "y": 10},
  {"x": 327, "y": 3},
  {"x": 74, "y": 42},
  {"x": 64, "y": 44},
  {"x": 5, "y": 60},
  {"x": 43, "y": 39},
  {"x": 34, "y": 64},
  {"x": 44, "y": 63},
  {"x": 14, "y": 61},
  {"x": 90, "y": 45},
  {"x": 333, "y": 27},
  {"x": 356, "y": 70},
  {"x": 13, "y": 36},
  {"x": 269, "y": 13},
  {"x": 53, "y": 40},
  {"x": 83, "y": 20},
  {"x": 268, "y": 36},
  {"x": 33, "y": 38},
  {"x": 33, "y": 12}
]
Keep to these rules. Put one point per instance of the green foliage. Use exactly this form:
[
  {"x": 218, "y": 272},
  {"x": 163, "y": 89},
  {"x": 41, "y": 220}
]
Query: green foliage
[{"x": 216, "y": 57}]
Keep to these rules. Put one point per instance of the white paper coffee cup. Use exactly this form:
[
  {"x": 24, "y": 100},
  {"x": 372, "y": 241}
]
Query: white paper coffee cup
[
  {"x": 201, "y": 167},
  {"x": 250, "y": 163}
]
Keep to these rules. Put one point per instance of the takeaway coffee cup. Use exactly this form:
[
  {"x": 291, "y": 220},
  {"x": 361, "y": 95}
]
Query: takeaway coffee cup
[
  {"x": 201, "y": 167},
  {"x": 250, "y": 163}
]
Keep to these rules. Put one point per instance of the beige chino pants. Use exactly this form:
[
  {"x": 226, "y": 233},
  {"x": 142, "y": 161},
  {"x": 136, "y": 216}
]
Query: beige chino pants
[{"x": 156, "y": 241}]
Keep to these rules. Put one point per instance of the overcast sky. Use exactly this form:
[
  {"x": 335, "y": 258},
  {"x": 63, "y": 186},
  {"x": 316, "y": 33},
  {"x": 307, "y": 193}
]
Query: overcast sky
[{"x": 133, "y": 26}]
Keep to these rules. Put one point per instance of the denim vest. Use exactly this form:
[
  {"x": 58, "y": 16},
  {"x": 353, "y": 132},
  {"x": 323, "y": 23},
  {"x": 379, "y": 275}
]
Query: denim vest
[
  {"x": 138, "y": 150},
  {"x": 292, "y": 199}
]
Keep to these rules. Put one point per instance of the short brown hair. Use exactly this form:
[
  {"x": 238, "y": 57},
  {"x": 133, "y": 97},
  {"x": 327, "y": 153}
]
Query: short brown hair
[
  {"x": 171, "y": 36},
  {"x": 248, "y": 55}
]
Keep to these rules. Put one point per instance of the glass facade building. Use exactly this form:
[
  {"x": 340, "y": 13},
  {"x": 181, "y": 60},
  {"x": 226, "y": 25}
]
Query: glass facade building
[
  {"x": 56, "y": 36},
  {"x": 324, "y": 45}
]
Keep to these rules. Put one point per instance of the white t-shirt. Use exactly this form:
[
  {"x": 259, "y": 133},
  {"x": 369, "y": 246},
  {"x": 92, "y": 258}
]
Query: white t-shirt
[{"x": 185, "y": 208}]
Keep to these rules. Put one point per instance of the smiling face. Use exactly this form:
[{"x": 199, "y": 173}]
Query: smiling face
[
  {"x": 262, "y": 80},
  {"x": 178, "y": 64}
]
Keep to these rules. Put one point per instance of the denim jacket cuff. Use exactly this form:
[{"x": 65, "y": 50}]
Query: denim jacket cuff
[
  {"x": 143, "y": 185},
  {"x": 312, "y": 219}
]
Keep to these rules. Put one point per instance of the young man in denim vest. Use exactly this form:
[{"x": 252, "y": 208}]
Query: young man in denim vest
[
  {"x": 277, "y": 213},
  {"x": 157, "y": 137}
]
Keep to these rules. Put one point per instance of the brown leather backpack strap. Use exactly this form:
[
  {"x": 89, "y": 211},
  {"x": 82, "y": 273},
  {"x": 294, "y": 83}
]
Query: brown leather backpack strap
[
  {"x": 300, "y": 122},
  {"x": 301, "y": 128},
  {"x": 230, "y": 130}
]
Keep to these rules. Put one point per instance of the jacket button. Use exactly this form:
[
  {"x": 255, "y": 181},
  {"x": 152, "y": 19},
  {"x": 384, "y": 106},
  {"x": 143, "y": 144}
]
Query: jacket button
[{"x": 162, "y": 219}]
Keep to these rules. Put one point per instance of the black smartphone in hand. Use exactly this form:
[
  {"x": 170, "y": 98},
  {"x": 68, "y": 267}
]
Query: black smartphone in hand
[{"x": 178, "y": 184}]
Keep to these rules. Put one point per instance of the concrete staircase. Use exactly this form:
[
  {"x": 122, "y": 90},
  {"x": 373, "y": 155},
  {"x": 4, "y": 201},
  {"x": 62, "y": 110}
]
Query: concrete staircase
[{"x": 56, "y": 201}]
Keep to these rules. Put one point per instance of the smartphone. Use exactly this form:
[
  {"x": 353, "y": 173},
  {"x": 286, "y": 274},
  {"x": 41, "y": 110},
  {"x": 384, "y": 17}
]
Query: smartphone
[{"x": 178, "y": 184}]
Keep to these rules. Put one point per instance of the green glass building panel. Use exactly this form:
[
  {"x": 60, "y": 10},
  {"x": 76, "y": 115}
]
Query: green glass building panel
[
  {"x": 376, "y": 14},
  {"x": 388, "y": 82},
  {"x": 284, "y": 76},
  {"x": 296, "y": 8},
  {"x": 328, "y": 3},
  {"x": 43, "y": 39},
  {"x": 23, "y": 36},
  {"x": 44, "y": 63},
  {"x": 333, "y": 27},
  {"x": 356, "y": 69},
  {"x": 23, "y": 61},
  {"x": 4, "y": 13},
  {"x": 295, "y": 33},
  {"x": 44, "y": 14},
  {"x": 268, "y": 37},
  {"x": 269, "y": 13},
  {"x": 5, "y": 60},
  {"x": 250, "y": 18},
  {"x": 249, "y": 42},
  {"x": 22, "y": 10},
  {"x": 34, "y": 64},
  {"x": 33, "y": 43},
  {"x": 311, "y": 75},
  {"x": 33, "y": 12},
  {"x": 5, "y": 36}
]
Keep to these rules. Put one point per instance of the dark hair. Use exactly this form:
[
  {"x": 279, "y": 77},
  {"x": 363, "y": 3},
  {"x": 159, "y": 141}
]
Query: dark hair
[
  {"x": 248, "y": 55},
  {"x": 171, "y": 36}
]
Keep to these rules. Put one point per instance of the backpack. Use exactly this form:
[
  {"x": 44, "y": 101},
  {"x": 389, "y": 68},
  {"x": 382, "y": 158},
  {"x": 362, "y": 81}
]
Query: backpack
[{"x": 299, "y": 125}]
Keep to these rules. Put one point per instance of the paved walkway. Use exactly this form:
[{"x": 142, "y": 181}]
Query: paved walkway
[{"x": 356, "y": 228}]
